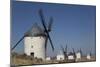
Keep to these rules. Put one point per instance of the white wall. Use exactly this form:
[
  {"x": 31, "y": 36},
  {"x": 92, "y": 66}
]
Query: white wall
[
  {"x": 48, "y": 58},
  {"x": 38, "y": 44},
  {"x": 88, "y": 57},
  {"x": 78, "y": 55},
  {"x": 60, "y": 57},
  {"x": 71, "y": 57}
]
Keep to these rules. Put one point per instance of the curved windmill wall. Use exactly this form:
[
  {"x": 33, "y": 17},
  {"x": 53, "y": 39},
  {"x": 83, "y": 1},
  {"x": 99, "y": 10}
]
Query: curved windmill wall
[{"x": 35, "y": 45}]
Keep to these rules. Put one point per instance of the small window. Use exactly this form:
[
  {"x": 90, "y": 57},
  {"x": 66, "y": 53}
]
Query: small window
[{"x": 32, "y": 46}]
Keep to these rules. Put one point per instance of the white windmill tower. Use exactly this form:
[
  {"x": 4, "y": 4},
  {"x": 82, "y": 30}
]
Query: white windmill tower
[
  {"x": 72, "y": 56},
  {"x": 79, "y": 55},
  {"x": 60, "y": 56},
  {"x": 35, "y": 40},
  {"x": 88, "y": 56},
  {"x": 63, "y": 53}
]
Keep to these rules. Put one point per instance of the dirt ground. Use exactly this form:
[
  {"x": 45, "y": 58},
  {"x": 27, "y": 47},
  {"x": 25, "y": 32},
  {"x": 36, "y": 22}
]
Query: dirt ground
[{"x": 17, "y": 60}]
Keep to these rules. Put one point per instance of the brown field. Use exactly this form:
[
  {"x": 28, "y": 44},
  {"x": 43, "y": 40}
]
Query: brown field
[{"x": 17, "y": 60}]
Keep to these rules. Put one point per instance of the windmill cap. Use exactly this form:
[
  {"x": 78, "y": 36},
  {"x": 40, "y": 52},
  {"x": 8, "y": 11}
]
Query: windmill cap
[{"x": 35, "y": 32}]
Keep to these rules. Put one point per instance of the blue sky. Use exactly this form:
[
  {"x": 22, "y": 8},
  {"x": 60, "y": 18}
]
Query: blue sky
[{"x": 73, "y": 25}]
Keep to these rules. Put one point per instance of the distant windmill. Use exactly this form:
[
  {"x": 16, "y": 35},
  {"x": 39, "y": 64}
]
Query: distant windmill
[
  {"x": 35, "y": 39},
  {"x": 89, "y": 56},
  {"x": 64, "y": 50},
  {"x": 72, "y": 56},
  {"x": 79, "y": 55},
  {"x": 60, "y": 56}
]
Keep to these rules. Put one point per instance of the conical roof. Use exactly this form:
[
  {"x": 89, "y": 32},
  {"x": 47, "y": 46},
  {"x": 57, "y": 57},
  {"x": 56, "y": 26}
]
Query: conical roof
[{"x": 35, "y": 31}]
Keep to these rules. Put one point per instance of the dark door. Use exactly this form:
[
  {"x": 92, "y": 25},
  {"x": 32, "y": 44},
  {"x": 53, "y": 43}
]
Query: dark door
[{"x": 32, "y": 54}]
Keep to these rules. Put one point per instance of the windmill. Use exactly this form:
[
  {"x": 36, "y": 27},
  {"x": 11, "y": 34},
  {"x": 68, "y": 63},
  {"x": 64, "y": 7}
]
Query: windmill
[
  {"x": 89, "y": 56},
  {"x": 36, "y": 38},
  {"x": 79, "y": 55},
  {"x": 64, "y": 50},
  {"x": 74, "y": 54}
]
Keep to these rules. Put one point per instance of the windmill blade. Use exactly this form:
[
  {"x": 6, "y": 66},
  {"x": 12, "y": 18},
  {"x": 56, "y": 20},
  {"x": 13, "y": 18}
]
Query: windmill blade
[
  {"x": 26, "y": 34},
  {"x": 43, "y": 23},
  {"x": 80, "y": 50},
  {"x": 90, "y": 52},
  {"x": 73, "y": 50},
  {"x": 50, "y": 24},
  {"x": 49, "y": 29},
  {"x": 46, "y": 45},
  {"x": 62, "y": 49},
  {"x": 17, "y": 43},
  {"x": 74, "y": 53},
  {"x": 66, "y": 48}
]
